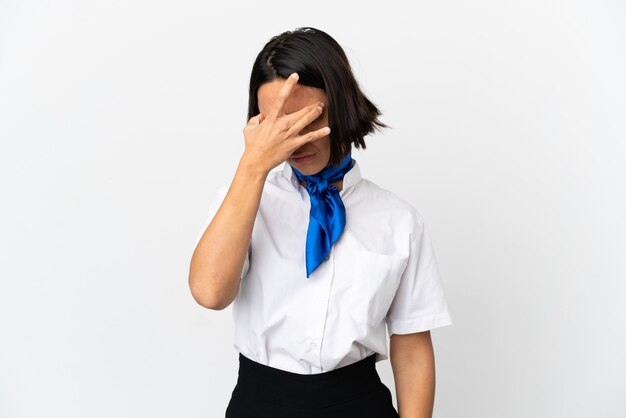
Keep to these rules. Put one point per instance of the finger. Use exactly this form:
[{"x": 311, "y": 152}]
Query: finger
[
  {"x": 255, "y": 120},
  {"x": 312, "y": 136},
  {"x": 279, "y": 104},
  {"x": 307, "y": 115},
  {"x": 292, "y": 118}
]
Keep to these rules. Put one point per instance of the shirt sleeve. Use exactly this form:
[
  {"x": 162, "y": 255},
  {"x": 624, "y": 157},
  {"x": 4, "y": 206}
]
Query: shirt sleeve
[
  {"x": 218, "y": 198},
  {"x": 419, "y": 303}
]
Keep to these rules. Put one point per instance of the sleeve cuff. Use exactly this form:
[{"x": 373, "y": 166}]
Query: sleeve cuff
[{"x": 425, "y": 323}]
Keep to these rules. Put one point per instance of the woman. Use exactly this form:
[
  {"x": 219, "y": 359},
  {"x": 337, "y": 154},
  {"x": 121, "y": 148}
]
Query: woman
[{"x": 318, "y": 260}]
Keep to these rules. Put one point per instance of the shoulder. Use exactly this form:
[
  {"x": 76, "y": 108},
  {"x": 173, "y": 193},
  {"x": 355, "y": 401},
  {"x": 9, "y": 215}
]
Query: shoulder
[{"x": 387, "y": 202}]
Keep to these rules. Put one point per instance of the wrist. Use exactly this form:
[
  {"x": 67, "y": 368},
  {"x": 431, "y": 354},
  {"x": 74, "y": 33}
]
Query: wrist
[{"x": 252, "y": 168}]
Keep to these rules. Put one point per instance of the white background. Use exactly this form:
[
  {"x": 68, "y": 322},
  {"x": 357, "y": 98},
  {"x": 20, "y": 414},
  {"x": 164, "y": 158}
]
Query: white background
[{"x": 119, "y": 120}]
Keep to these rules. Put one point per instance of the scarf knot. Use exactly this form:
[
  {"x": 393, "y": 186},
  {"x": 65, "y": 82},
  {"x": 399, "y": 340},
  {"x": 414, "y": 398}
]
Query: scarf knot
[{"x": 319, "y": 186}]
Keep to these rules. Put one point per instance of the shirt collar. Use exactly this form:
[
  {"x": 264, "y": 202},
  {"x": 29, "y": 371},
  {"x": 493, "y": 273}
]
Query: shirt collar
[{"x": 351, "y": 178}]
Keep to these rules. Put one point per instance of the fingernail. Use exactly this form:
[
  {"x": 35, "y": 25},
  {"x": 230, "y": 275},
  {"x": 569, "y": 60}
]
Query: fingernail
[{"x": 294, "y": 75}]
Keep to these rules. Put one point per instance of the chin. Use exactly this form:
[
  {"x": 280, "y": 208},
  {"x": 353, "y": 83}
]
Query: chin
[{"x": 308, "y": 171}]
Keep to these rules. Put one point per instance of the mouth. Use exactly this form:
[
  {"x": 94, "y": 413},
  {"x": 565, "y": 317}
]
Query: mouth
[{"x": 303, "y": 158}]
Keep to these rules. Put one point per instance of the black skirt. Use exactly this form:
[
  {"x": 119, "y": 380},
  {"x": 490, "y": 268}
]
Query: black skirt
[{"x": 267, "y": 392}]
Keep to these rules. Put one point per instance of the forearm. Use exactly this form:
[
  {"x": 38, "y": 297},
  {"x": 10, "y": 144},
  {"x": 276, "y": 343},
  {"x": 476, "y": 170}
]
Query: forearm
[
  {"x": 413, "y": 363},
  {"x": 218, "y": 259}
]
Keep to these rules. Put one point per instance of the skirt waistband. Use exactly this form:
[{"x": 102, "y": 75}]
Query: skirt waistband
[{"x": 319, "y": 390}]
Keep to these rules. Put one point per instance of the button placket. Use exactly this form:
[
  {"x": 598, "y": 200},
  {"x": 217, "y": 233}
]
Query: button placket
[
  {"x": 331, "y": 262},
  {"x": 322, "y": 278},
  {"x": 324, "y": 302}
]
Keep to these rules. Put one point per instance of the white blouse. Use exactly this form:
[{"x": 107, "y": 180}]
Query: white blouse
[{"x": 380, "y": 272}]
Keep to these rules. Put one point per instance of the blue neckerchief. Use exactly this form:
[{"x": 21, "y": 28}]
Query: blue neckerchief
[{"x": 328, "y": 215}]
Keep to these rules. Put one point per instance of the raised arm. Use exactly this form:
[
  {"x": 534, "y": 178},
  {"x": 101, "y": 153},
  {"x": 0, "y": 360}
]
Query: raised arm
[{"x": 218, "y": 259}]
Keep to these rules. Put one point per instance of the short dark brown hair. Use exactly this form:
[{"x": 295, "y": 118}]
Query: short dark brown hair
[{"x": 320, "y": 62}]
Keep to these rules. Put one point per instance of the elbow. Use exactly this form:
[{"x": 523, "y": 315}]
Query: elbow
[
  {"x": 207, "y": 302},
  {"x": 207, "y": 298},
  {"x": 210, "y": 291}
]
